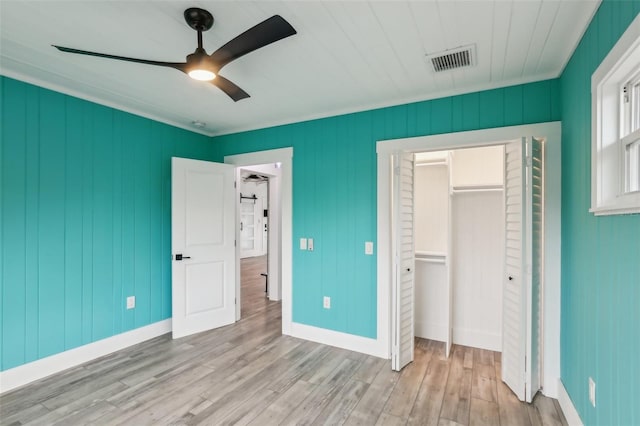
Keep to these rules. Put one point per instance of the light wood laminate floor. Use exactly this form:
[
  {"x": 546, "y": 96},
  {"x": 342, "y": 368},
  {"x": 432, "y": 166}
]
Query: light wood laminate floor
[{"x": 248, "y": 373}]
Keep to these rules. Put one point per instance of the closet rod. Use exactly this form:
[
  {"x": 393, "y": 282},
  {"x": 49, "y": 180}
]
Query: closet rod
[{"x": 433, "y": 163}]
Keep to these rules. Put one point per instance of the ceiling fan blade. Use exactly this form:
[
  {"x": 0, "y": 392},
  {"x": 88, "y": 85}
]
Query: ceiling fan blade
[
  {"x": 229, "y": 88},
  {"x": 177, "y": 65},
  {"x": 268, "y": 31}
]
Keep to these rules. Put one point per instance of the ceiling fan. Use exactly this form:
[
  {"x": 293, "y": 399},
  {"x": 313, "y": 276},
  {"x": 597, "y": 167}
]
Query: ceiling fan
[{"x": 201, "y": 66}]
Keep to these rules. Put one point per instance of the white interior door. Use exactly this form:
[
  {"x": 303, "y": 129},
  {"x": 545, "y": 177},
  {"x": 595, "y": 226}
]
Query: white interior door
[
  {"x": 534, "y": 326},
  {"x": 522, "y": 290},
  {"x": 403, "y": 249},
  {"x": 514, "y": 320},
  {"x": 203, "y": 246}
]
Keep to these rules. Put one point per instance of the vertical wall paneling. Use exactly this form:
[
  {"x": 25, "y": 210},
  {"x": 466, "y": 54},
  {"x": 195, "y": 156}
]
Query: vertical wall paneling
[
  {"x": 127, "y": 189},
  {"x": 14, "y": 231},
  {"x": 73, "y": 225},
  {"x": 51, "y": 222},
  {"x": 513, "y": 106},
  {"x": 32, "y": 177},
  {"x": 431, "y": 226},
  {"x": 117, "y": 297},
  {"x": 600, "y": 268},
  {"x": 334, "y": 189},
  {"x": 86, "y": 122},
  {"x": 155, "y": 223},
  {"x": 102, "y": 223},
  {"x": 84, "y": 195},
  {"x": 477, "y": 263}
]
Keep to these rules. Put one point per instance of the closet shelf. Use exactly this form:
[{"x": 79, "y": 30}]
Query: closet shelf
[
  {"x": 476, "y": 188},
  {"x": 430, "y": 253}
]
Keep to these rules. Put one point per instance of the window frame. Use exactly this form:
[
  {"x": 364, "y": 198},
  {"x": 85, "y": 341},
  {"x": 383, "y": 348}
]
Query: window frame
[
  {"x": 630, "y": 131},
  {"x": 609, "y": 164}
]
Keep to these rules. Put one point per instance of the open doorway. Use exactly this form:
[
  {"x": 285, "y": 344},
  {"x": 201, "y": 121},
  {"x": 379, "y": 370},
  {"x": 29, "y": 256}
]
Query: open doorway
[
  {"x": 258, "y": 205},
  {"x": 276, "y": 165}
]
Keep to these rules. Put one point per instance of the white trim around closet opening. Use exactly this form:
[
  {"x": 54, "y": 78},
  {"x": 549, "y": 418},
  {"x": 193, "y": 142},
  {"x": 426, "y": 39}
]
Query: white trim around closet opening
[{"x": 551, "y": 132}]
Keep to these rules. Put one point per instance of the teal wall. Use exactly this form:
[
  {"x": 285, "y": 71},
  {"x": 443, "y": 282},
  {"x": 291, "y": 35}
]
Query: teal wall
[
  {"x": 600, "y": 329},
  {"x": 85, "y": 220},
  {"x": 334, "y": 188}
]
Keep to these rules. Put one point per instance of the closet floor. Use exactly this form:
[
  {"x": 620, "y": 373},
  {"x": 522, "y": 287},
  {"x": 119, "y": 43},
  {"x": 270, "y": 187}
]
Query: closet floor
[{"x": 467, "y": 389}]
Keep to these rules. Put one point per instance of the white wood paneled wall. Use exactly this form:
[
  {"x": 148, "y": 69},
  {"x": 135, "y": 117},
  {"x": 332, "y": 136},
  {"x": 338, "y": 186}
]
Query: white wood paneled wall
[
  {"x": 478, "y": 247},
  {"x": 431, "y": 236}
]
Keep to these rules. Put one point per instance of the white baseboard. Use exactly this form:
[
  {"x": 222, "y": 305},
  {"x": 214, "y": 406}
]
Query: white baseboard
[
  {"x": 477, "y": 339},
  {"x": 39, "y": 369},
  {"x": 338, "y": 339},
  {"x": 569, "y": 410},
  {"x": 550, "y": 386},
  {"x": 430, "y": 331}
]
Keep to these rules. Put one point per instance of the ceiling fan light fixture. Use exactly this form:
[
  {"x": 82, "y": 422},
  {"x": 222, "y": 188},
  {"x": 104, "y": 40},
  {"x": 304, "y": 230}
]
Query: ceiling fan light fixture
[
  {"x": 202, "y": 75},
  {"x": 203, "y": 67}
]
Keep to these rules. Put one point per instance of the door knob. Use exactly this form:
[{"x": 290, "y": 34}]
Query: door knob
[
  {"x": 180, "y": 257},
  {"x": 510, "y": 278}
]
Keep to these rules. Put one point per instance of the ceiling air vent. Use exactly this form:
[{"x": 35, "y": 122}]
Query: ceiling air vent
[{"x": 460, "y": 57}]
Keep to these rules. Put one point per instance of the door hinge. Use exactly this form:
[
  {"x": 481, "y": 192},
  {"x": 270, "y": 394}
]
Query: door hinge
[{"x": 234, "y": 184}]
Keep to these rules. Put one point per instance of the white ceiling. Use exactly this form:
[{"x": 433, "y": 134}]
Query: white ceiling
[{"x": 346, "y": 57}]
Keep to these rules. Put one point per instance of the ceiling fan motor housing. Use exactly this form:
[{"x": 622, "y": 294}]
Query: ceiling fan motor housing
[{"x": 198, "y": 19}]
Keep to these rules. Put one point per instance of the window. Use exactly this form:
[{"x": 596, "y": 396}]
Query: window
[
  {"x": 615, "y": 148},
  {"x": 630, "y": 132}
]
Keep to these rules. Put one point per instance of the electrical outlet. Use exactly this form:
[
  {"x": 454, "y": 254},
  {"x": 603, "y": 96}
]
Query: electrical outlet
[
  {"x": 592, "y": 392},
  {"x": 368, "y": 247},
  {"x": 131, "y": 302},
  {"x": 310, "y": 244},
  {"x": 303, "y": 243},
  {"x": 326, "y": 302}
]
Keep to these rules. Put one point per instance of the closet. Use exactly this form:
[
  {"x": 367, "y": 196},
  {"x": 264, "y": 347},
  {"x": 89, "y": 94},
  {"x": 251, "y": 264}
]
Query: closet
[{"x": 459, "y": 246}]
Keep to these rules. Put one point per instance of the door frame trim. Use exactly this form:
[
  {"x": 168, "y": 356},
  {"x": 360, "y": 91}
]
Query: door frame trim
[
  {"x": 551, "y": 131},
  {"x": 284, "y": 156}
]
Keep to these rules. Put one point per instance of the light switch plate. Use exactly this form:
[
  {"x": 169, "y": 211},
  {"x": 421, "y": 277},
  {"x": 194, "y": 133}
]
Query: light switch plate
[
  {"x": 368, "y": 247},
  {"x": 303, "y": 243},
  {"x": 310, "y": 244},
  {"x": 131, "y": 302},
  {"x": 326, "y": 302}
]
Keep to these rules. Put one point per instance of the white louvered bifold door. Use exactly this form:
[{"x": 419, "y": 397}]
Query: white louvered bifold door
[
  {"x": 403, "y": 249},
  {"x": 514, "y": 318},
  {"x": 534, "y": 325}
]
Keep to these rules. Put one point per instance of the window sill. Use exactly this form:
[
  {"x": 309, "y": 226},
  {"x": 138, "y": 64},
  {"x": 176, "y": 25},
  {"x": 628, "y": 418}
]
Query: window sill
[{"x": 615, "y": 209}]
